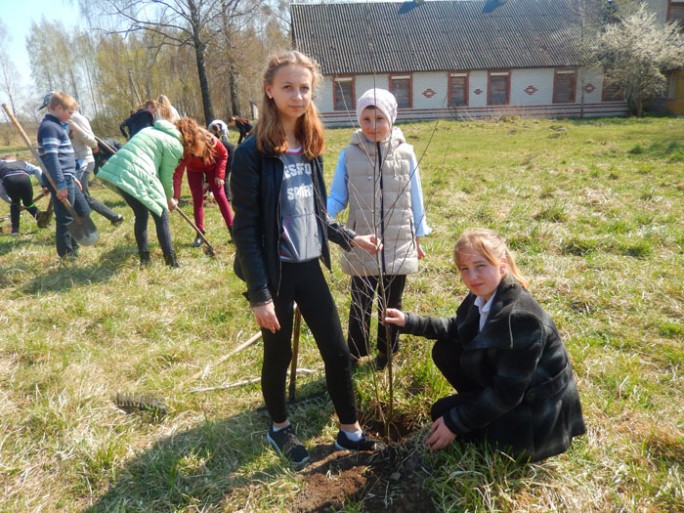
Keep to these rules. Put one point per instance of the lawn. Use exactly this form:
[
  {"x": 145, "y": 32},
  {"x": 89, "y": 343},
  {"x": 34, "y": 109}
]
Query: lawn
[{"x": 593, "y": 212}]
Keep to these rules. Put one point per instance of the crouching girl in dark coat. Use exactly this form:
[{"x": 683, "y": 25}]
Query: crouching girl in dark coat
[{"x": 505, "y": 358}]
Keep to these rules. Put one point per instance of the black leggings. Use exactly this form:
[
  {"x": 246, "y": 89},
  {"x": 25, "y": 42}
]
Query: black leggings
[
  {"x": 363, "y": 291},
  {"x": 305, "y": 284},
  {"x": 140, "y": 227},
  {"x": 20, "y": 191},
  {"x": 93, "y": 202}
]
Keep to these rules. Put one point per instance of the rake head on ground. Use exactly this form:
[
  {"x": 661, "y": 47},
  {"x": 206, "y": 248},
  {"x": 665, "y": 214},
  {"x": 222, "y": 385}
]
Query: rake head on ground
[
  {"x": 208, "y": 250},
  {"x": 131, "y": 403}
]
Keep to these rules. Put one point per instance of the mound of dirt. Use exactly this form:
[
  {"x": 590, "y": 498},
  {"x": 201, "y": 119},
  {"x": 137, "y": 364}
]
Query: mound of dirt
[{"x": 392, "y": 480}]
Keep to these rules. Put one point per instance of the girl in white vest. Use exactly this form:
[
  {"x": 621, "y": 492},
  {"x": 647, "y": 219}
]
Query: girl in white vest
[{"x": 377, "y": 176}]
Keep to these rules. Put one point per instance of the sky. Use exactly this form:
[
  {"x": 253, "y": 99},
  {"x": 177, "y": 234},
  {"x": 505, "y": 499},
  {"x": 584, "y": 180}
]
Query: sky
[{"x": 17, "y": 16}]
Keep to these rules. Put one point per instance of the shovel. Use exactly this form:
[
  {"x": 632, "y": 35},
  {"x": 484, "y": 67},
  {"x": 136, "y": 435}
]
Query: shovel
[
  {"x": 82, "y": 228},
  {"x": 22, "y": 207},
  {"x": 210, "y": 248},
  {"x": 45, "y": 216}
]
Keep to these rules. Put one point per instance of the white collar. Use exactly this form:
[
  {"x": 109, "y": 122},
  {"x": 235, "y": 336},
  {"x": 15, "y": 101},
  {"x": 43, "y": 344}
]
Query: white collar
[{"x": 484, "y": 307}]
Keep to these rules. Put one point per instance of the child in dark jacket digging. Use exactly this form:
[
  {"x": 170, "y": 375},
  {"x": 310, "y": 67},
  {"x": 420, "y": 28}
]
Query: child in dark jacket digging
[
  {"x": 505, "y": 358},
  {"x": 16, "y": 188}
]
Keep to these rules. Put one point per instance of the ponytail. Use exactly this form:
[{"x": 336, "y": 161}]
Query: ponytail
[{"x": 492, "y": 247}]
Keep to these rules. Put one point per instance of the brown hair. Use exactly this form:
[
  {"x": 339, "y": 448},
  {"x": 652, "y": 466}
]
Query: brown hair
[
  {"x": 492, "y": 247},
  {"x": 150, "y": 104},
  {"x": 62, "y": 99},
  {"x": 194, "y": 136},
  {"x": 270, "y": 136}
]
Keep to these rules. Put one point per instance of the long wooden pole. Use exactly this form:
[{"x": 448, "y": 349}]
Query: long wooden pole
[
  {"x": 295, "y": 352},
  {"x": 254, "y": 338},
  {"x": 34, "y": 152}
]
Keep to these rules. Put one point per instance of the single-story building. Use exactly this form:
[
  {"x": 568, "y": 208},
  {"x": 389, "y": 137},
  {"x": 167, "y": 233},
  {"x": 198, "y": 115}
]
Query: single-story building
[
  {"x": 671, "y": 11},
  {"x": 460, "y": 59}
]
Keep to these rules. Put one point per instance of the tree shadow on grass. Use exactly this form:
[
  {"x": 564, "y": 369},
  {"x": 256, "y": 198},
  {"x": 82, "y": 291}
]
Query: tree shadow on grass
[
  {"x": 9, "y": 243},
  {"x": 213, "y": 465},
  {"x": 73, "y": 274},
  {"x": 226, "y": 465}
]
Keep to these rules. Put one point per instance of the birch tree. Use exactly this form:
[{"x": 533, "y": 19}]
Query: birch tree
[
  {"x": 8, "y": 71},
  {"x": 182, "y": 23}
]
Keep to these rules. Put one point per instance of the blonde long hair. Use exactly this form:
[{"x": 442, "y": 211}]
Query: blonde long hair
[
  {"x": 492, "y": 247},
  {"x": 270, "y": 136},
  {"x": 165, "y": 109},
  {"x": 194, "y": 136}
]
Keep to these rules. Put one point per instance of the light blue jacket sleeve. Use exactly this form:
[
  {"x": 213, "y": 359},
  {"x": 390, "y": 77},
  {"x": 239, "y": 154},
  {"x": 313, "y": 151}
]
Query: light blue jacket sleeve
[
  {"x": 417, "y": 205},
  {"x": 3, "y": 194},
  {"x": 339, "y": 194},
  {"x": 35, "y": 171}
]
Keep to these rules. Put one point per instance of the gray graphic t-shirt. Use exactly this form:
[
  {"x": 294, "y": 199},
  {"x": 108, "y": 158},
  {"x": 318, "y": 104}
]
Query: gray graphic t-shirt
[{"x": 301, "y": 237}]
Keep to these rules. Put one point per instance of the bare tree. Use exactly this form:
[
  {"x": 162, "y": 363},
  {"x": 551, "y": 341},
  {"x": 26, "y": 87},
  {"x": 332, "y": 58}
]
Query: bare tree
[
  {"x": 8, "y": 72},
  {"x": 51, "y": 56},
  {"x": 189, "y": 23},
  {"x": 636, "y": 54},
  {"x": 244, "y": 41}
]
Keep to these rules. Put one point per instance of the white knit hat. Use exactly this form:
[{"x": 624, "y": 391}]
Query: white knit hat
[
  {"x": 381, "y": 99},
  {"x": 223, "y": 128}
]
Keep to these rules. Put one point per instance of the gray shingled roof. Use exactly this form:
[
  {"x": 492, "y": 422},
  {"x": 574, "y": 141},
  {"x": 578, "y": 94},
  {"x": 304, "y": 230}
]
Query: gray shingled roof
[{"x": 385, "y": 37}]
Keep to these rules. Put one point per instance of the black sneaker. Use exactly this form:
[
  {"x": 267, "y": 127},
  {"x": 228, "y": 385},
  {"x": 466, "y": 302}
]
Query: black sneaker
[
  {"x": 197, "y": 242},
  {"x": 342, "y": 443},
  {"x": 288, "y": 446},
  {"x": 118, "y": 220},
  {"x": 381, "y": 361}
]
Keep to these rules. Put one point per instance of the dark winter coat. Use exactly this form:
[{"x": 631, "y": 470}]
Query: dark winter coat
[
  {"x": 255, "y": 183},
  {"x": 244, "y": 128},
  {"x": 518, "y": 389},
  {"x": 136, "y": 122}
]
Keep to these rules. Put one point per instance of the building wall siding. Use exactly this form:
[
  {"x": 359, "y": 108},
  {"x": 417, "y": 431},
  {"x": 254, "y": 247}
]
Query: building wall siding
[
  {"x": 478, "y": 89},
  {"x": 430, "y": 90},
  {"x": 659, "y": 7},
  {"x": 531, "y": 94},
  {"x": 532, "y": 87}
]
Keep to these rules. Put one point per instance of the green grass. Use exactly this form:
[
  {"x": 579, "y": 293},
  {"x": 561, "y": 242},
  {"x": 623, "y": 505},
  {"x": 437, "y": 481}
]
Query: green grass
[{"x": 593, "y": 211}]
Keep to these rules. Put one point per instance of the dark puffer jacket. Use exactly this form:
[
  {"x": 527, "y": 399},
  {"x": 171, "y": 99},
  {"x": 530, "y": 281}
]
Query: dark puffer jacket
[{"x": 517, "y": 387}]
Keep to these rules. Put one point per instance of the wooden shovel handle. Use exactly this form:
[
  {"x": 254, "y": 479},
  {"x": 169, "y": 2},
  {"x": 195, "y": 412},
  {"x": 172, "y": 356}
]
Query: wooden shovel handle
[
  {"x": 105, "y": 145},
  {"x": 199, "y": 232},
  {"x": 295, "y": 352}
]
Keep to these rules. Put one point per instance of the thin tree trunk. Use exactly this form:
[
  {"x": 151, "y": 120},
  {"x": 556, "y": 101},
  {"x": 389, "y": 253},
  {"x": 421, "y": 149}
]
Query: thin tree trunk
[
  {"x": 204, "y": 82},
  {"x": 134, "y": 90},
  {"x": 232, "y": 84}
]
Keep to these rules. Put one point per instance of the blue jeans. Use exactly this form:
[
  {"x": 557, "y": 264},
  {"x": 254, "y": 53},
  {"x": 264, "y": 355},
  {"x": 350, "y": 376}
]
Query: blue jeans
[{"x": 66, "y": 244}]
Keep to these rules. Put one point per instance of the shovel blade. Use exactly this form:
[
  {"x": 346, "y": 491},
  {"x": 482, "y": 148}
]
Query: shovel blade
[{"x": 83, "y": 230}]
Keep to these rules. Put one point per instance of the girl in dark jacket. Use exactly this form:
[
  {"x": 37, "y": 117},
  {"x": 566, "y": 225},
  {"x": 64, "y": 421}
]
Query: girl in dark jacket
[
  {"x": 281, "y": 231},
  {"x": 505, "y": 358},
  {"x": 243, "y": 126}
]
